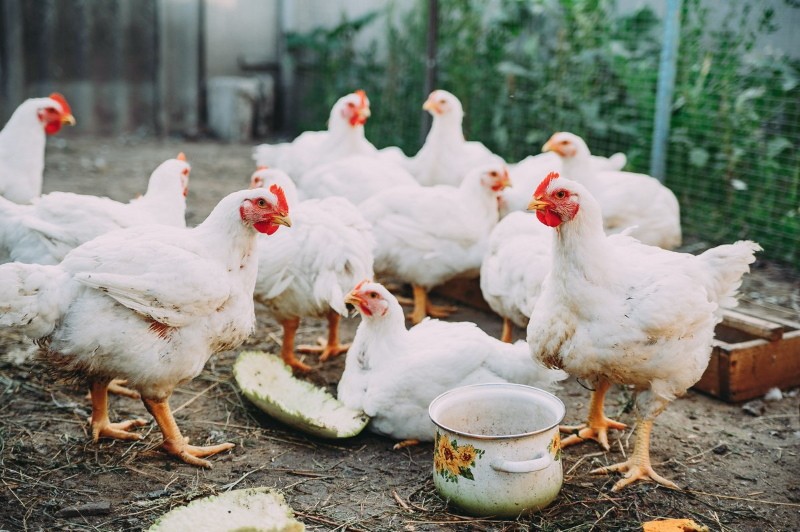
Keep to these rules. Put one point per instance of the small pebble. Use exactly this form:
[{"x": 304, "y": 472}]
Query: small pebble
[
  {"x": 774, "y": 394},
  {"x": 754, "y": 408}
]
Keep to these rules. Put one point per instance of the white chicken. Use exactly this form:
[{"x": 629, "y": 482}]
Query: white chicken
[
  {"x": 344, "y": 137},
  {"x": 305, "y": 271},
  {"x": 446, "y": 156},
  {"x": 356, "y": 178},
  {"x": 516, "y": 263},
  {"x": 393, "y": 373},
  {"x": 45, "y": 231},
  {"x": 627, "y": 199},
  {"x": 428, "y": 235},
  {"x": 22, "y": 144},
  {"x": 149, "y": 304},
  {"x": 614, "y": 310}
]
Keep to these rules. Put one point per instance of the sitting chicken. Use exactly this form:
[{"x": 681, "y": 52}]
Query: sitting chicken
[
  {"x": 344, "y": 137},
  {"x": 22, "y": 143},
  {"x": 305, "y": 271},
  {"x": 149, "y": 304},
  {"x": 45, "y": 231},
  {"x": 515, "y": 265},
  {"x": 429, "y": 235},
  {"x": 446, "y": 157},
  {"x": 393, "y": 373},
  {"x": 627, "y": 200},
  {"x": 614, "y": 310}
]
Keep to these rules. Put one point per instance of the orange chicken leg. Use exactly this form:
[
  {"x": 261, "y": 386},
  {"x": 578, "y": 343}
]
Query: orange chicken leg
[
  {"x": 287, "y": 347},
  {"x": 598, "y": 424},
  {"x": 637, "y": 467},
  {"x": 506, "y": 334},
  {"x": 174, "y": 442},
  {"x": 423, "y": 307},
  {"x": 332, "y": 347},
  {"x": 101, "y": 426}
]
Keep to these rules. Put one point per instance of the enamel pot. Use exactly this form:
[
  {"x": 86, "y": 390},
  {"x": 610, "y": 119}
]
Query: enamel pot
[{"x": 497, "y": 449}]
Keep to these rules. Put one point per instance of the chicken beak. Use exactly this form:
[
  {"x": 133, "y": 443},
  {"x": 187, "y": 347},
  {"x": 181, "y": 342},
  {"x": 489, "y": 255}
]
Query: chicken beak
[
  {"x": 430, "y": 106},
  {"x": 282, "y": 220},
  {"x": 548, "y": 146},
  {"x": 506, "y": 181},
  {"x": 68, "y": 119},
  {"x": 537, "y": 205},
  {"x": 352, "y": 299}
]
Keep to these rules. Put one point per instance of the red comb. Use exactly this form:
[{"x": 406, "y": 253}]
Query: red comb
[
  {"x": 544, "y": 184},
  {"x": 62, "y": 101},
  {"x": 362, "y": 283},
  {"x": 283, "y": 205},
  {"x": 362, "y": 98}
]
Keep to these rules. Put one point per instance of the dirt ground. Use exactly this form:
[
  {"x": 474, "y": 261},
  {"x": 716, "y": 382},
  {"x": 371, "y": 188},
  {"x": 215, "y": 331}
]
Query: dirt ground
[{"x": 739, "y": 472}]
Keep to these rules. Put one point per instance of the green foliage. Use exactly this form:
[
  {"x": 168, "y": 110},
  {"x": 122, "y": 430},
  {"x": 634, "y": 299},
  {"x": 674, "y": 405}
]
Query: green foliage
[{"x": 526, "y": 68}]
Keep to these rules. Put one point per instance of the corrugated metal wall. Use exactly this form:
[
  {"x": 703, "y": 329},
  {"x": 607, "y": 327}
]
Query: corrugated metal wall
[{"x": 125, "y": 66}]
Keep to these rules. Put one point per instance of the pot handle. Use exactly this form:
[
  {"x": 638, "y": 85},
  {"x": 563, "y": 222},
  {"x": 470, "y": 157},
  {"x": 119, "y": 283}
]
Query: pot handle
[{"x": 537, "y": 463}]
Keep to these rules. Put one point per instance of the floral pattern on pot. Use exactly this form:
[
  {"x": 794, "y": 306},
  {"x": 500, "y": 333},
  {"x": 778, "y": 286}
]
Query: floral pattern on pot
[
  {"x": 554, "y": 447},
  {"x": 451, "y": 460}
]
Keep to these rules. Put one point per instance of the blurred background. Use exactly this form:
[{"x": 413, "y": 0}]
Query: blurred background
[{"x": 700, "y": 93}]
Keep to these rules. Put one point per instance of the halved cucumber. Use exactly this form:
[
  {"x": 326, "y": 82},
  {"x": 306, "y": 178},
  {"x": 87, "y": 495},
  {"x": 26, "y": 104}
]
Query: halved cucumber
[{"x": 266, "y": 381}]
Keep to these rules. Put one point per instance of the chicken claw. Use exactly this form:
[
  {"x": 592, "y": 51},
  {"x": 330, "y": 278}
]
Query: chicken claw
[
  {"x": 598, "y": 424},
  {"x": 638, "y": 466},
  {"x": 174, "y": 442},
  {"x": 405, "y": 443},
  {"x": 101, "y": 425},
  {"x": 598, "y": 431},
  {"x": 330, "y": 347}
]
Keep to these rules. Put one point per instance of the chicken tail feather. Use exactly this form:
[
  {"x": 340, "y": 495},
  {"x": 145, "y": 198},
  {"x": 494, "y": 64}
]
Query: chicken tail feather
[{"x": 728, "y": 263}]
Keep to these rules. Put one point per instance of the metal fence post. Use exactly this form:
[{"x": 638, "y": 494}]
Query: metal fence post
[{"x": 666, "y": 87}]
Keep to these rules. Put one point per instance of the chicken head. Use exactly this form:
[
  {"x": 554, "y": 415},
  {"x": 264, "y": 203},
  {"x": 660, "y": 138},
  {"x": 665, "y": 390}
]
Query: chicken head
[
  {"x": 370, "y": 299},
  {"x": 441, "y": 102},
  {"x": 554, "y": 204},
  {"x": 265, "y": 210},
  {"x": 566, "y": 145},
  {"x": 354, "y": 108},
  {"x": 56, "y": 114}
]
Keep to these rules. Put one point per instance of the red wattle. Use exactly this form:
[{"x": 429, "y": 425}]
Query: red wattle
[
  {"x": 549, "y": 218},
  {"x": 266, "y": 227},
  {"x": 51, "y": 128}
]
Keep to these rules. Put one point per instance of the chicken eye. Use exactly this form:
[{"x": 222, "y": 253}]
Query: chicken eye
[
  {"x": 350, "y": 104},
  {"x": 261, "y": 202},
  {"x": 373, "y": 295},
  {"x": 564, "y": 142},
  {"x": 493, "y": 174},
  {"x": 561, "y": 194},
  {"x": 442, "y": 101}
]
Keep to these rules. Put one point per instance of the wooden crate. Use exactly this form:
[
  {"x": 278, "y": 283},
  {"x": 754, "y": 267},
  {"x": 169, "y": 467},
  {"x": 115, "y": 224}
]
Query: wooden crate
[{"x": 750, "y": 354}]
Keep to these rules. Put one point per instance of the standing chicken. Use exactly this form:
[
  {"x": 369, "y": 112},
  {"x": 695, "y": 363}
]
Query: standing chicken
[
  {"x": 446, "y": 156},
  {"x": 614, "y": 310},
  {"x": 627, "y": 200},
  {"x": 45, "y": 231},
  {"x": 22, "y": 143},
  {"x": 393, "y": 373},
  {"x": 149, "y": 304},
  {"x": 429, "y": 235},
  {"x": 305, "y": 271},
  {"x": 344, "y": 137},
  {"x": 515, "y": 265}
]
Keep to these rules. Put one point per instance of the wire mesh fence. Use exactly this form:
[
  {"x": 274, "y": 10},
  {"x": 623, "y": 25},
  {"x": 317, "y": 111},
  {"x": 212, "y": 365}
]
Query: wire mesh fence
[{"x": 525, "y": 69}]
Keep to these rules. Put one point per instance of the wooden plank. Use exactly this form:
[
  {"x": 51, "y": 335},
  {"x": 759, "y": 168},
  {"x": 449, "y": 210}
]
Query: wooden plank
[
  {"x": 758, "y": 327},
  {"x": 757, "y": 368}
]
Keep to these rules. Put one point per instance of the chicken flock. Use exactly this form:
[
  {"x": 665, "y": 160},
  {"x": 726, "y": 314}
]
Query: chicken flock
[{"x": 115, "y": 291}]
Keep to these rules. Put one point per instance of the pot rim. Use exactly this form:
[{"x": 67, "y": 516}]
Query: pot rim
[{"x": 497, "y": 436}]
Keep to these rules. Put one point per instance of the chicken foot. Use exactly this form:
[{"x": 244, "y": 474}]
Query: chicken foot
[
  {"x": 405, "y": 443},
  {"x": 423, "y": 307},
  {"x": 597, "y": 425},
  {"x": 638, "y": 466},
  {"x": 174, "y": 442},
  {"x": 101, "y": 425},
  {"x": 331, "y": 347},
  {"x": 287, "y": 347}
]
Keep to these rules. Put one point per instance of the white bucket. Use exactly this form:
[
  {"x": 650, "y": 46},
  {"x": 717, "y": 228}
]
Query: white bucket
[{"x": 497, "y": 449}]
